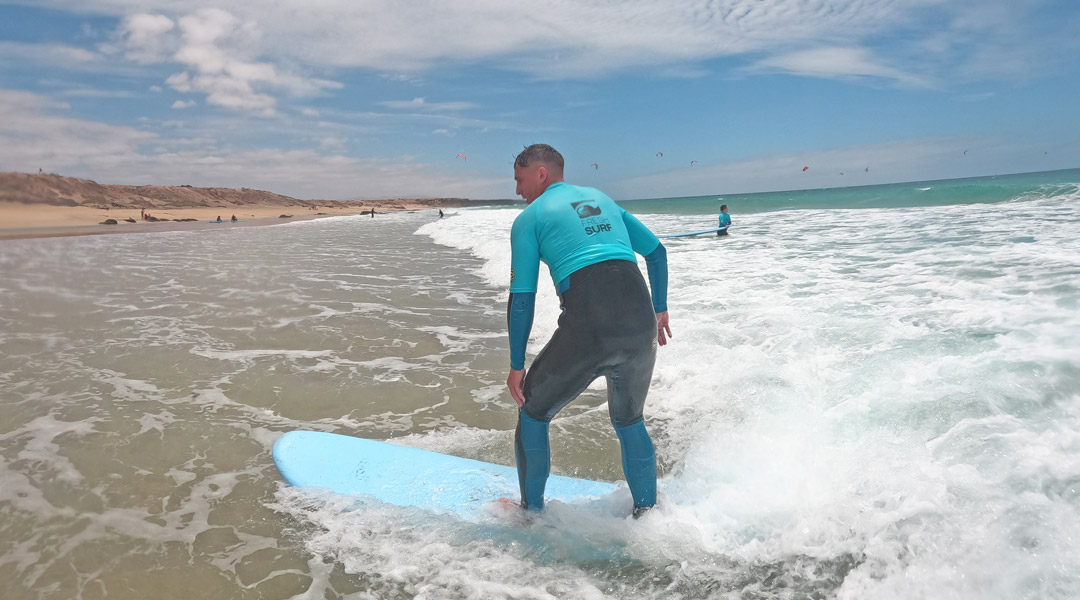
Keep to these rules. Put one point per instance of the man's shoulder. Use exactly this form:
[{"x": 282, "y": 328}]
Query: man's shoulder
[
  {"x": 568, "y": 192},
  {"x": 583, "y": 190},
  {"x": 526, "y": 216}
]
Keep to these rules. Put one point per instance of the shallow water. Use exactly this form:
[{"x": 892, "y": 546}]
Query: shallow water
[{"x": 874, "y": 403}]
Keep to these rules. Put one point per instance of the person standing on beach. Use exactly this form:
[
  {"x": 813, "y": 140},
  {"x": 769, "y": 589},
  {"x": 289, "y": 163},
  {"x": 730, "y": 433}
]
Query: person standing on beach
[
  {"x": 725, "y": 220},
  {"x": 609, "y": 325}
]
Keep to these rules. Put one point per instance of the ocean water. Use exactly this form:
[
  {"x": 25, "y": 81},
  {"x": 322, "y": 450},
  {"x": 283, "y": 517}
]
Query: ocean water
[{"x": 870, "y": 393}]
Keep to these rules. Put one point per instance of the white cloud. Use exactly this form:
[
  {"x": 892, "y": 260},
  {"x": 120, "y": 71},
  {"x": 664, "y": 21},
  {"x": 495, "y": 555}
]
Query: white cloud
[
  {"x": 142, "y": 37},
  {"x": 182, "y": 104},
  {"x": 836, "y": 63},
  {"x": 34, "y": 136},
  {"x": 332, "y": 143},
  {"x": 216, "y": 46},
  {"x": 422, "y": 104},
  {"x": 19, "y": 52},
  {"x": 218, "y": 51},
  {"x": 583, "y": 39},
  {"x": 566, "y": 39},
  {"x": 83, "y": 92},
  {"x": 406, "y": 103}
]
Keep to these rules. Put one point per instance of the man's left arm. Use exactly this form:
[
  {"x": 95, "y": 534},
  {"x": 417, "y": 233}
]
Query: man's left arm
[{"x": 645, "y": 243}]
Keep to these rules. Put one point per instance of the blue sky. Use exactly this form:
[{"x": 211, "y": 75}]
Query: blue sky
[{"x": 335, "y": 99}]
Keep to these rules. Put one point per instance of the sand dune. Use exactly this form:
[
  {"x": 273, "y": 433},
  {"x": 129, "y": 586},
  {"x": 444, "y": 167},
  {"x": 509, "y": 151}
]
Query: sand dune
[
  {"x": 40, "y": 205},
  {"x": 56, "y": 190}
]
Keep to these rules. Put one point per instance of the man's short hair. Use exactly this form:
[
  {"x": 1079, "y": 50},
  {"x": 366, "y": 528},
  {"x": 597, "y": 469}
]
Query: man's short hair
[
  {"x": 723, "y": 206},
  {"x": 541, "y": 153}
]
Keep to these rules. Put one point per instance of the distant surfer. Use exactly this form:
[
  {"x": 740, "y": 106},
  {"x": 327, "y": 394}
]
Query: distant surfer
[
  {"x": 725, "y": 220},
  {"x": 440, "y": 213},
  {"x": 609, "y": 325},
  {"x": 234, "y": 219}
]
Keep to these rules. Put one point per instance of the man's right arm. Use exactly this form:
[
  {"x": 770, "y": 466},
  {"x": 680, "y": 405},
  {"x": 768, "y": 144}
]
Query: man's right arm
[
  {"x": 524, "y": 273},
  {"x": 520, "y": 309}
]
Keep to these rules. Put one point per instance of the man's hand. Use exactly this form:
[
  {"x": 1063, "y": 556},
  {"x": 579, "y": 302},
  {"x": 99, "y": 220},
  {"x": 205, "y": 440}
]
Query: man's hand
[
  {"x": 514, "y": 381},
  {"x": 662, "y": 328}
]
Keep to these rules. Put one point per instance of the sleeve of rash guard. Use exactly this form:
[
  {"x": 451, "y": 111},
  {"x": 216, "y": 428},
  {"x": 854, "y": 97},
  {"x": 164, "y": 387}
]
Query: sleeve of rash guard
[
  {"x": 642, "y": 240},
  {"x": 524, "y": 274},
  {"x": 519, "y": 319},
  {"x": 645, "y": 243},
  {"x": 524, "y": 256},
  {"x": 656, "y": 263}
]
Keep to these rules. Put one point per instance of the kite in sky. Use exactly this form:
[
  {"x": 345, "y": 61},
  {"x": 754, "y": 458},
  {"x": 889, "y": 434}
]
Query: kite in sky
[
  {"x": 463, "y": 156},
  {"x": 692, "y": 162},
  {"x": 660, "y": 154},
  {"x": 595, "y": 166},
  {"x": 805, "y": 168}
]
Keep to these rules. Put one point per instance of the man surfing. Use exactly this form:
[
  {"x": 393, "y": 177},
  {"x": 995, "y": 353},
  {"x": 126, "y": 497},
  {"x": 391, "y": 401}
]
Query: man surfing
[{"x": 609, "y": 325}]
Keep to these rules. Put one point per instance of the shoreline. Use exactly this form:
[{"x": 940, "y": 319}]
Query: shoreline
[{"x": 26, "y": 221}]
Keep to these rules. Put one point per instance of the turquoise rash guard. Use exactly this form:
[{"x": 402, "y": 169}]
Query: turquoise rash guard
[
  {"x": 570, "y": 227},
  {"x": 725, "y": 219}
]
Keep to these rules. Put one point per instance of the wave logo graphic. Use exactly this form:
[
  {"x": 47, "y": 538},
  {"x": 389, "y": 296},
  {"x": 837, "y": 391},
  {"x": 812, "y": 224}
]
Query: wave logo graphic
[{"x": 586, "y": 209}]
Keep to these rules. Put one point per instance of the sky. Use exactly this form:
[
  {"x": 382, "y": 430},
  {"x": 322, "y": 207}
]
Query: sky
[{"x": 347, "y": 99}]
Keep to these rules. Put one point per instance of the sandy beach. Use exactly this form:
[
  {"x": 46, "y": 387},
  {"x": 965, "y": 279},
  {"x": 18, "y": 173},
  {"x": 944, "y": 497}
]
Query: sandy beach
[
  {"x": 47, "y": 205},
  {"x": 18, "y": 220}
]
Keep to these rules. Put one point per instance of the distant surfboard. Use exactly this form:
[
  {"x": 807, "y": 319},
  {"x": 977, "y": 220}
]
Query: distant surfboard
[
  {"x": 406, "y": 476},
  {"x": 702, "y": 232}
]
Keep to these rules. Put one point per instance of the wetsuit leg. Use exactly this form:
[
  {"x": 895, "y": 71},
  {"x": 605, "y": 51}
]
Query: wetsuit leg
[
  {"x": 533, "y": 454},
  {"x": 558, "y": 375},
  {"x": 607, "y": 328},
  {"x": 564, "y": 368},
  {"x": 638, "y": 463},
  {"x": 628, "y": 385},
  {"x": 628, "y": 379}
]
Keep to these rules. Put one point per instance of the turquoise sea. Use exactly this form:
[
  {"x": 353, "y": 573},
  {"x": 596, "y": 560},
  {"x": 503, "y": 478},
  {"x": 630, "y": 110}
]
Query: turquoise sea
[
  {"x": 972, "y": 190},
  {"x": 871, "y": 392}
]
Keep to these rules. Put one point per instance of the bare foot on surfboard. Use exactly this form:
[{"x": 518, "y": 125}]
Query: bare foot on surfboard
[{"x": 509, "y": 510}]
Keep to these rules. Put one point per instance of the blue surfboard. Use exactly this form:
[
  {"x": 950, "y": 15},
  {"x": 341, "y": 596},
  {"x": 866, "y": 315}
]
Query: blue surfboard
[
  {"x": 679, "y": 235},
  {"x": 406, "y": 476}
]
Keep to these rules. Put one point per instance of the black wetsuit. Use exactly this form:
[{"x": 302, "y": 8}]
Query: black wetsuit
[{"x": 607, "y": 329}]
